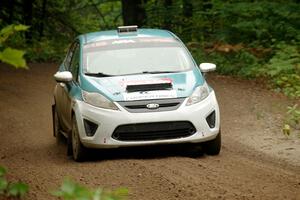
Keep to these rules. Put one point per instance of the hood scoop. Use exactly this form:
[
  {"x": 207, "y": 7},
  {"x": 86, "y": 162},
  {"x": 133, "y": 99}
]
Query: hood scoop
[{"x": 148, "y": 87}]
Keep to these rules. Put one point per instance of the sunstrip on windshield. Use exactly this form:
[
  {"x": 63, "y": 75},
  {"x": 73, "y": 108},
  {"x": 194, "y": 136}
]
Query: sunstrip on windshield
[
  {"x": 131, "y": 41},
  {"x": 122, "y": 41},
  {"x": 95, "y": 44},
  {"x": 156, "y": 40}
]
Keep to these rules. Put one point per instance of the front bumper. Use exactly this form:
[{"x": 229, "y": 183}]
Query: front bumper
[{"x": 109, "y": 120}]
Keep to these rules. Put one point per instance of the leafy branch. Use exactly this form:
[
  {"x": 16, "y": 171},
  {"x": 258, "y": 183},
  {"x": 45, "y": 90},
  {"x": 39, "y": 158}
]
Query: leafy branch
[
  {"x": 10, "y": 55},
  {"x": 8, "y": 189},
  {"x": 70, "y": 190}
]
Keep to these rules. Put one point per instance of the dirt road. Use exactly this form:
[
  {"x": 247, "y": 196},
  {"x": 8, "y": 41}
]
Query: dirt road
[{"x": 256, "y": 162}]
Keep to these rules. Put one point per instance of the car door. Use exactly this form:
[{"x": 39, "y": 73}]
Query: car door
[{"x": 65, "y": 105}]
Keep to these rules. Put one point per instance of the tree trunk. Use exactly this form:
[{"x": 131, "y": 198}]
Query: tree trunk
[
  {"x": 11, "y": 11},
  {"x": 187, "y": 8},
  {"x": 207, "y": 5},
  {"x": 167, "y": 18},
  {"x": 7, "y": 11},
  {"x": 27, "y": 17},
  {"x": 187, "y": 26},
  {"x": 43, "y": 18},
  {"x": 133, "y": 12}
]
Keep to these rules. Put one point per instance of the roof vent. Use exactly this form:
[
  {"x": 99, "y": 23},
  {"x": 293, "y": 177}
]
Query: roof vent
[{"x": 127, "y": 29}]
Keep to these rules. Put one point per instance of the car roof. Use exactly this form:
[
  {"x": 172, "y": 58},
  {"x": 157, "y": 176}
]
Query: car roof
[{"x": 113, "y": 34}]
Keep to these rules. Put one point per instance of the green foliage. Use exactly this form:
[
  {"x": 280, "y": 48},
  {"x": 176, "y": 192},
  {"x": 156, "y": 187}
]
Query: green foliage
[
  {"x": 49, "y": 37},
  {"x": 13, "y": 57},
  {"x": 267, "y": 31},
  {"x": 293, "y": 116},
  {"x": 289, "y": 84},
  {"x": 9, "y": 30},
  {"x": 241, "y": 63},
  {"x": 9, "y": 55},
  {"x": 17, "y": 189},
  {"x": 47, "y": 51},
  {"x": 283, "y": 69},
  {"x": 3, "y": 185},
  {"x": 70, "y": 190},
  {"x": 262, "y": 21},
  {"x": 286, "y": 130},
  {"x": 3, "y": 181},
  {"x": 2, "y": 171},
  {"x": 8, "y": 189}
]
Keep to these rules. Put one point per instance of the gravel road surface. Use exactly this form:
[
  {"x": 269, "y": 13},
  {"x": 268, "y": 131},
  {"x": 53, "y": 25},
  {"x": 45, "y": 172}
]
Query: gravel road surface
[{"x": 256, "y": 161}]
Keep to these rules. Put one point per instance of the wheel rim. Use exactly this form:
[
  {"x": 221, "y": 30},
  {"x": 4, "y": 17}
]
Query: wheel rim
[{"x": 75, "y": 139}]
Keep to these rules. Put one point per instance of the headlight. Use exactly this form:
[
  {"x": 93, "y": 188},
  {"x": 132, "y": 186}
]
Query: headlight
[
  {"x": 198, "y": 95},
  {"x": 98, "y": 100}
]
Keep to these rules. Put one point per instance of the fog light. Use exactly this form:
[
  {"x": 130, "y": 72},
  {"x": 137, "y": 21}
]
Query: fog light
[
  {"x": 211, "y": 119},
  {"x": 90, "y": 127}
]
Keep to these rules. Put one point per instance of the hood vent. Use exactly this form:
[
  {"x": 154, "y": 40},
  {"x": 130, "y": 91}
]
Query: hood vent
[{"x": 149, "y": 87}]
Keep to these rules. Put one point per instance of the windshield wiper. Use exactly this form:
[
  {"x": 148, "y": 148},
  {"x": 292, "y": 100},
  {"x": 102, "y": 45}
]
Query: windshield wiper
[
  {"x": 99, "y": 74},
  {"x": 149, "y": 72}
]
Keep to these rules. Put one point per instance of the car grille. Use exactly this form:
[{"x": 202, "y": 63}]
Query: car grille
[
  {"x": 141, "y": 105},
  {"x": 154, "y": 131}
]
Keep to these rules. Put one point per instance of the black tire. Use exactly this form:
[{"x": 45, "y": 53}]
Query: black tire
[
  {"x": 213, "y": 147},
  {"x": 78, "y": 150},
  {"x": 56, "y": 126}
]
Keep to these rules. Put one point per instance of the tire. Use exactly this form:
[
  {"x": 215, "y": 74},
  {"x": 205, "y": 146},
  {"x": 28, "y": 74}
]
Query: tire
[
  {"x": 78, "y": 150},
  {"x": 213, "y": 147},
  {"x": 56, "y": 126}
]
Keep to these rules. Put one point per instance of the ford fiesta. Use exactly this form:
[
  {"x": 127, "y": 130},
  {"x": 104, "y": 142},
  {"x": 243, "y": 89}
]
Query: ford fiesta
[{"x": 133, "y": 87}]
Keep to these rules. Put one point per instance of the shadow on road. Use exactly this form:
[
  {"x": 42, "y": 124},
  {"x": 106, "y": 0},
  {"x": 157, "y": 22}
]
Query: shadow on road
[
  {"x": 147, "y": 152},
  {"x": 143, "y": 152}
]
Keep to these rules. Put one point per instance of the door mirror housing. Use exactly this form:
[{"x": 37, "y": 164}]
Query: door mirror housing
[
  {"x": 63, "y": 77},
  {"x": 207, "y": 67}
]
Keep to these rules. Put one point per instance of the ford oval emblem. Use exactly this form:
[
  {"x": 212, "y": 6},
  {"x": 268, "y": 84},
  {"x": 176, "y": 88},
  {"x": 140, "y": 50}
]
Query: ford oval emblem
[{"x": 152, "y": 106}]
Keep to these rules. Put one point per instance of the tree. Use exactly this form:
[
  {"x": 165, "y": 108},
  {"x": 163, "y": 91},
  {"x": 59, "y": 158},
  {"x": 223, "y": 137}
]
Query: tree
[
  {"x": 168, "y": 15},
  {"x": 43, "y": 18},
  {"x": 133, "y": 12},
  {"x": 27, "y": 17}
]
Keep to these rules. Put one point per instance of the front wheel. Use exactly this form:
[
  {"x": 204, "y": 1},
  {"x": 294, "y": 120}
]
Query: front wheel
[
  {"x": 213, "y": 147},
  {"x": 78, "y": 150},
  {"x": 56, "y": 126}
]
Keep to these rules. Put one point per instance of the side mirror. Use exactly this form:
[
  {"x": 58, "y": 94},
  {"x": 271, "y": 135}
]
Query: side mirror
[
  {"x": 207, "y": 67},
  {"x": 63, "y": 77}
]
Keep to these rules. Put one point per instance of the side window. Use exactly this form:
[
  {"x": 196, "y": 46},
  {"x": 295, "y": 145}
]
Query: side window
[
  {"x": 68, "y": 58},
  {"x": 74, "y": 66}
]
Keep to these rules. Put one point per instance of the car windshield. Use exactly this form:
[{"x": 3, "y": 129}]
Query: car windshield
[{"x": 125, "y": 57}]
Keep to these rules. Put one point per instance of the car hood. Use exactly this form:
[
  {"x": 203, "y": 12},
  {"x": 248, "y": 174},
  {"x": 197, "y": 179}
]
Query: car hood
[{"x": 116, "y": 88}]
